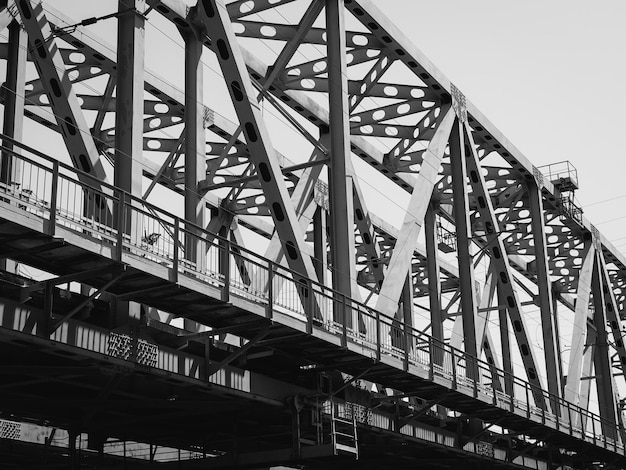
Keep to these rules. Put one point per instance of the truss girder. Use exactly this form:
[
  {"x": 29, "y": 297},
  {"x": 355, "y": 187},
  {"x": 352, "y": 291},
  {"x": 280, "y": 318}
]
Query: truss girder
[
  {"x": 605, "y": 384},
  {"x": 395, "y": 123},
  {"x": 544, "y": 287},
  {"x": 401, "y": 257},
  {"x": 486, "y": 141},
  {"x": 242, "y": 8},
  {"x": 501, "y": 263},
  {"x": 396, "y": 89},
  {"x": 611, "y": 311},
  {"x": 340, "y": 175},
  {"x": 302, "y": 198},
  {"x": 282, "y": 32},
  {"x": 214, "y": 17},
  {"x": 66, "y": 108}
]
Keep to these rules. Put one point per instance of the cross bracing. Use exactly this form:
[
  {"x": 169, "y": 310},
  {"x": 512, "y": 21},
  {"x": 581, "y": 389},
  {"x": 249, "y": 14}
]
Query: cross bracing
[{"x": 473, "y": 246}]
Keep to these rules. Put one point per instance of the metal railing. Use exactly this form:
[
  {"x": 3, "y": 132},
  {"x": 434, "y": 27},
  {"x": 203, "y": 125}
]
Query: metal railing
[
  {"x": 134, "y": 229},
  {"x": 563, "y": 174}
]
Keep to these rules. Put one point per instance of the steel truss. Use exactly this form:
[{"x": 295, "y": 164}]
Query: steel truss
[{"x": 472, "y": 248}]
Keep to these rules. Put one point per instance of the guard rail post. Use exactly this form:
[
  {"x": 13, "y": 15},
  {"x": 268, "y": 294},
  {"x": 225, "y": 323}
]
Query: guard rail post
[{"x": 53, "y": 199}]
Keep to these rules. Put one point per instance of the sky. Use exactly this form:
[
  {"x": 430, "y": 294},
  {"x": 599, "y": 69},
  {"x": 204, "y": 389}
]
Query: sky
[{"x": 548, "y": 74}]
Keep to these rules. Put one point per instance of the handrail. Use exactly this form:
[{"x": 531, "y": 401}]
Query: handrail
[{"x": 401, "y": 341}]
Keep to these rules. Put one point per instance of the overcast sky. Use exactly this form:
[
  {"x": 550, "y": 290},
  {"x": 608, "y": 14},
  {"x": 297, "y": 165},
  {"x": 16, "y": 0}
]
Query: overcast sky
[{"x": 550, "y": 74}]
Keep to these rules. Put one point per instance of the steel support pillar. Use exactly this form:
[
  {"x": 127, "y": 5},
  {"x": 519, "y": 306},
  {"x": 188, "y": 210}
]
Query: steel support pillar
[
  {"x": 195, "y": 158},
  {"x": 505, "y": 341},
  {"x": 213, "y": 17},
  {"x": 601, "y": 358},
  {"x": 483, "y": 342},
  {"x": 407, "y": 315},
  {"x": 340, "y": 188},
  {"x": 434, "y": 281},
  {"x": 545, "y": 293},
  {"x": 13, "y": 94},
  {"x": 557, "y": 338},
  {"x": 497, "y": 250},
  {"x": 320, "y": 257},
  {"x": 468, "y": 305},
  {"x": 434, "y": 284},
  {"x": 129, "y": 107},
  {"x": 129, "y": 96},
  {"x": 611, "y": 311},
  {"x": 587, "y": 373}
]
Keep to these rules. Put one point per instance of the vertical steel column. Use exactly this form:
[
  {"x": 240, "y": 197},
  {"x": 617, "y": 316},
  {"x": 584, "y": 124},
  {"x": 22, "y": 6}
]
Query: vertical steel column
[
  {"x": 320, "y": 255},
  {"x": 557, "y": 338},
  {"x": 464, "y": 237},
  {"x": 340, "y": 188},
  {"x": 195, "y": 158},
  {"x": 13, "y": 94},
  {"x": 129, "y": 96},
  {"x": 505, "y": 341},
  {"x": 482, "y": 317},
  {"x": 545, "y": 293},
  {"x": 587, "y": 372},
  {"x": 407, "y": 315},
  {"x": 434, "y": 281},
  {"x": 601, "y": 357},
  {"x": 195, "y": 154},
  {"x": 129, "y": 105}
]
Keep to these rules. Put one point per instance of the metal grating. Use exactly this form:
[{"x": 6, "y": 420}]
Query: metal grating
[
  {"x": 595, "y": 237},
  {"x": 484, "y": 448},
  {"x": 459, "y": 103},
  {"x": 10, "y": 430},
  {"x": 360, "y": 413},
  {"x": 320, "y": 194},
  {"x": 539, "y": 178},
  {"x": 208, "y": 116},
  {"x": 121, "y": 346}
]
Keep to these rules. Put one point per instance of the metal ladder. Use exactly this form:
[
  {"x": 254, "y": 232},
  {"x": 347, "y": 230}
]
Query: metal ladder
[{"x": 343, "y": 432}]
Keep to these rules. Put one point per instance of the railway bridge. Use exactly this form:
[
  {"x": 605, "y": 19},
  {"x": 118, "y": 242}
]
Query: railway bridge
[{"x": 270, "y": 233}]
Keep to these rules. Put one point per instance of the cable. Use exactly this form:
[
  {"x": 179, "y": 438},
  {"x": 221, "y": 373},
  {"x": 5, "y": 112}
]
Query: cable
[
  {"x": 611, "y": 220},
  {"x": 57, "y": 32},
  {"x": 605, "y": 200}
]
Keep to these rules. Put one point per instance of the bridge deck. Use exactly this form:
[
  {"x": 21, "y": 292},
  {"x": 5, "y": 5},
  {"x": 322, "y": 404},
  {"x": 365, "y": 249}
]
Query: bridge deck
[{"x": 48, "y": 228}]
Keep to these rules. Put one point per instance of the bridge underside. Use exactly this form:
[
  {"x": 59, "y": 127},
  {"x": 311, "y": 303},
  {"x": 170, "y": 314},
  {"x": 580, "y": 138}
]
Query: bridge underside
[{"x": 270, "y": 233}]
